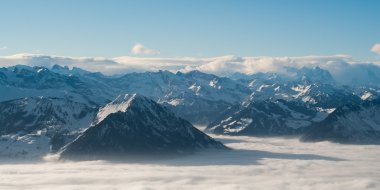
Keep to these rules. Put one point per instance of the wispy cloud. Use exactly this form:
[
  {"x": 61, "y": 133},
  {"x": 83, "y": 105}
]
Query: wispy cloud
[
  {"x": 376, "y": 49},
  {"x": 141, "y": 49},
  {"x": 3, "y": 48}
]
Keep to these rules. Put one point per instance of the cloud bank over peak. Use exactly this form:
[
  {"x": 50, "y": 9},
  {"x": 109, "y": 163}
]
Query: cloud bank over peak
[
  {"x": 342, "y": 67},
  {"x": 251, "y": 65},
  {"x": 141, "y": 49}
]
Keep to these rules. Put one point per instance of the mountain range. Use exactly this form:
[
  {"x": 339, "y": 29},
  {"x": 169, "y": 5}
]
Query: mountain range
[{"x": 56, "y": 109}]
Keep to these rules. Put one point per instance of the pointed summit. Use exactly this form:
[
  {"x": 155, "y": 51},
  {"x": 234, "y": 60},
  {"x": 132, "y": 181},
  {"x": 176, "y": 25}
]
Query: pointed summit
[
  {"x": 133, "y": 125},
  {"x": 121, "y": 104}
]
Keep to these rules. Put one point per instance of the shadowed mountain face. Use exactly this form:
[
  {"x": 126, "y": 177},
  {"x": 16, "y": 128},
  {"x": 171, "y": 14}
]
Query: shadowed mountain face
[
  {"x": 268, "y": 118},
  {"x": 133, "y": 125},
  {"x": 355, "y": 123},
  {"x": 23, "y": 116}
]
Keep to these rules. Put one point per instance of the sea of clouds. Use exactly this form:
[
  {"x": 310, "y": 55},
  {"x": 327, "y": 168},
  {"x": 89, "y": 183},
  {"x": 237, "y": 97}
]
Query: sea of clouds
[{"x": 255, "y": 163}]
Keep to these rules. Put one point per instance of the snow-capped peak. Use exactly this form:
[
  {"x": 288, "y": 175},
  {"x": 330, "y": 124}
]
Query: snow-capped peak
[
  {"x": 366, "y": 95},
  {"x": 120, "y": 104}
]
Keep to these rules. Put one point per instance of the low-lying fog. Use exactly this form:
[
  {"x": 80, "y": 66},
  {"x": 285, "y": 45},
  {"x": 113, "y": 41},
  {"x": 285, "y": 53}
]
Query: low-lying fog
[{"x": 256, "y": 163}]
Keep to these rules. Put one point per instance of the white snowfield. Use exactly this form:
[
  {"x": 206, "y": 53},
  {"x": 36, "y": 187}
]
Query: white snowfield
[
  {"x": 256, "y": 163},
  {"x": 120, "y": 104}
]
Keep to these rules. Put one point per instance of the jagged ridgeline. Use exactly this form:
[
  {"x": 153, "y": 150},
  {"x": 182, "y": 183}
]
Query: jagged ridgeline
[{"x": 195, "y": 96}]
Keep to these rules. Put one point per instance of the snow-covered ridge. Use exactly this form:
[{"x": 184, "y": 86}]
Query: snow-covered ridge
[{"x": 120, "y": 104}]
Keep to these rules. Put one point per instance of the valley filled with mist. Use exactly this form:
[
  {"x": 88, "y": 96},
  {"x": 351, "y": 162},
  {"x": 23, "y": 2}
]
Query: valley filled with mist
[{"x": 263, "y": 163}]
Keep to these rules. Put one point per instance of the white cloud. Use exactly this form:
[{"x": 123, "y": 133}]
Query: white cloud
[
  {"x": 256, "y": 163},
  {"x": 141, "y": 49},
  {"x": 3, "y": 48},
  {"x": 376, "y": 49},
  {"x": 343, "y": 68}
]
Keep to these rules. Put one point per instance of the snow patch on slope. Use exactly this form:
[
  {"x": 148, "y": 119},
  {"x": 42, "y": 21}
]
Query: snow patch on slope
[
  {"x": 366, "y": 95},
  {"x": 120, "y": 104}
]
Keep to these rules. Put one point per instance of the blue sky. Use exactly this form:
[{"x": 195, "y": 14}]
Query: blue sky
[{"x": 199, "y": 28}]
